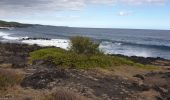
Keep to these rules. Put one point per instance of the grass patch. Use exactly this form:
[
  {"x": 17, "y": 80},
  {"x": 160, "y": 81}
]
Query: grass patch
[
  {"x": 8, "y": 79},
  {"x": 147, "y": 67},
  {"x": 68, "y": 59}
]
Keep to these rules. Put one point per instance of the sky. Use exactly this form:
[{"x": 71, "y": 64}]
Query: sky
[{"x": 135, "y": 14}]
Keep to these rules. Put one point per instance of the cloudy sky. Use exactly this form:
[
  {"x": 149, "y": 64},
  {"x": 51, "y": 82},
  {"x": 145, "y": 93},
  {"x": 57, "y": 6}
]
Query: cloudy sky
[{"x": 143, "y": 14}]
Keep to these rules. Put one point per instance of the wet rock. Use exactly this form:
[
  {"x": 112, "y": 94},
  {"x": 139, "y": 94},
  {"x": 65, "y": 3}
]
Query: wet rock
[
  {"x": 40, "y": 79},
  {"x": 36, "y": 38}
]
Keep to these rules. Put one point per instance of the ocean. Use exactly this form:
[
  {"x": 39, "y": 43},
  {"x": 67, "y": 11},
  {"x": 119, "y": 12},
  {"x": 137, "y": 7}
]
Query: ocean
[{"x": 129, "y": 42}]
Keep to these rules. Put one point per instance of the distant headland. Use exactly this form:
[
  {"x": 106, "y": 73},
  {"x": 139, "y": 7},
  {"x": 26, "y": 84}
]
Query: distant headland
[{"x": 7, "y": 25}]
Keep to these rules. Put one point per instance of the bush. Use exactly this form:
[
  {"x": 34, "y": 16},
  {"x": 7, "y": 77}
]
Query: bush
[
  {"x": 83, "y": 45},
  {"x": 8, "y": 79},
  {"x": 64, "y": 95}
]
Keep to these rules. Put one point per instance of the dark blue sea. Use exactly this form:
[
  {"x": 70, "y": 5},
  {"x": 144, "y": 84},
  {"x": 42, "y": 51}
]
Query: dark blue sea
[{"x": 130, "y": 42}]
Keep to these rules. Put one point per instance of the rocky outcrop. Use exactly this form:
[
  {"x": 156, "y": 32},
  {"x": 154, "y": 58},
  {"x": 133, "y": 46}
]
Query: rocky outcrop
[{"x": 40, "y": 79}]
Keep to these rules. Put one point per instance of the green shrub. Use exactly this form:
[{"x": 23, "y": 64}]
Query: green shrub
[
  {"x": 83, "y": 45},
  {"x": 121, "y": 61}
]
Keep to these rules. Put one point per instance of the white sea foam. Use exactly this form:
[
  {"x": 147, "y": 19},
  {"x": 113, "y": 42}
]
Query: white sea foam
[
  {"x": 62, "y": 43},
  {"x": 7, "y": 37},
  {"x": 140, "y": 53},
  {"x": 117, "y": 48},
  {"x": 3, "y": 34}
]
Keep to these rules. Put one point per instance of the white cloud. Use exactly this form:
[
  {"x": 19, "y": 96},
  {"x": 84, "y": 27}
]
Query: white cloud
[
  {"x": 10, "y": 7},
  {"x": 13, "y": 7},
  {"x": 124, "y": 13},
  {"x": 103, "y": 1},
  {"x": 139, "y": 2}
]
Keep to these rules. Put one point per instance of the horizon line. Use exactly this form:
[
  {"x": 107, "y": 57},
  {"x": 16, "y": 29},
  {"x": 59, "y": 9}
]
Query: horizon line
[{"x": 89, "y": 27}]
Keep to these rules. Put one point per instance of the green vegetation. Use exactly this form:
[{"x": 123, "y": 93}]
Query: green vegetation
[
  {"x": 84, "y": 54},
  {"x": 12, "y": 24},
  {"x": 83, "y": 45},
  {"x": 68, "y": 59},
  {"x": 8, "y": 79}
]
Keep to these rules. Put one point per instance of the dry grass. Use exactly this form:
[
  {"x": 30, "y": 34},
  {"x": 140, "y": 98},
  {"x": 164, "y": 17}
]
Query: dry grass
[
  {"x": 10, "y": 86},
  {"x": 5, "y": 65},
  {"x": 8, "y": 78},
  {"x": 63, "y": 94},
  {"x": 18, "y": 93},
  {"x": 124, "y": 71},
  {"x": 147, "y": 95}
]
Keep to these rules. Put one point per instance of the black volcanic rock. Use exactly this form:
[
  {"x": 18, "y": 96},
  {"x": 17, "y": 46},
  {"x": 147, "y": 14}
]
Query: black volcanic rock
[
  {"x": 36, "y": 39},
  {"x": 148, "y": 60},
  {"x": 40, "y": 79}
]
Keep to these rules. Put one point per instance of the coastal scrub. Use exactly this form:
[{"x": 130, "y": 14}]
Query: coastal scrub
[{"x": 83, "y": 54}]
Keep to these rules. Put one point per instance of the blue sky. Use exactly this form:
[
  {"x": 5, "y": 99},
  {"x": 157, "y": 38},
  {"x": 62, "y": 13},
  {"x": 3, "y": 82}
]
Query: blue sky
[{"x": 141, "y": 14}]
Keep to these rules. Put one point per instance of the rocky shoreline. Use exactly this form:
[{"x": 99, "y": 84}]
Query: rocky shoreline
[
  {"x": 95, "y": 84},
  {"x": 148, "y": 60}
]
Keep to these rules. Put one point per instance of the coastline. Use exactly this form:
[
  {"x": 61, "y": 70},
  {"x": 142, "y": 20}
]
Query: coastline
[
  {"x": 8, "y": 28},
  {"x": 64, "y": 44},
  {"x": 158, "y": 61}
]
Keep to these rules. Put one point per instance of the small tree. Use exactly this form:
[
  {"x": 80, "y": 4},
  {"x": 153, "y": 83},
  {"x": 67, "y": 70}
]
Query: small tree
[{"x": 83, "y": 45}]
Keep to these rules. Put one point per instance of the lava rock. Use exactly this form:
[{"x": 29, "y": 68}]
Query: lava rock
[{"x": 40, "y": 79}]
